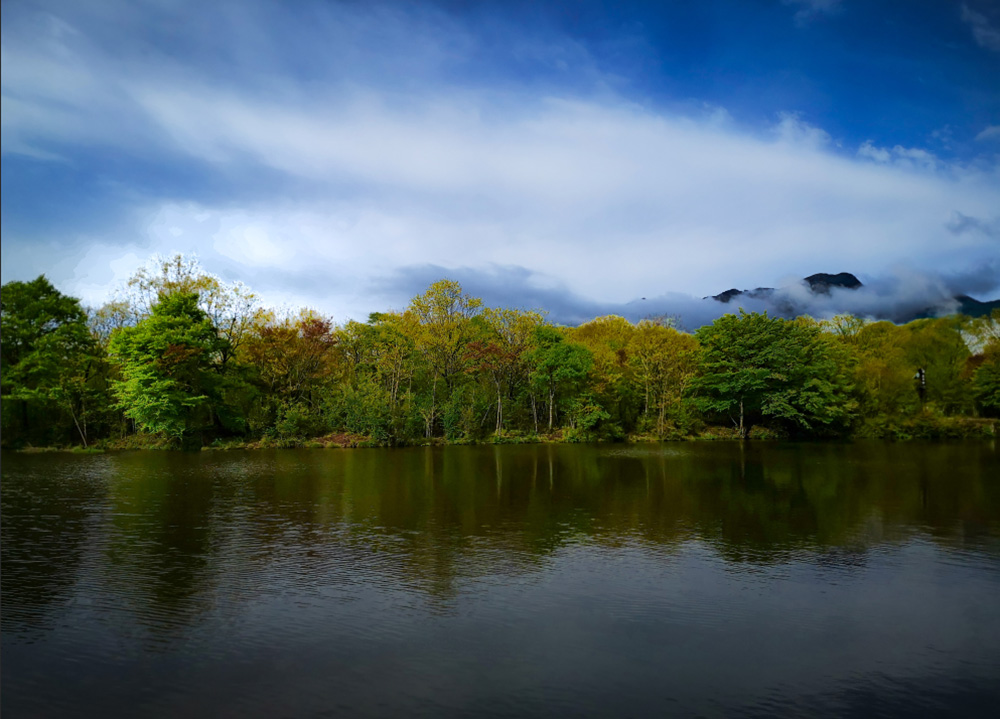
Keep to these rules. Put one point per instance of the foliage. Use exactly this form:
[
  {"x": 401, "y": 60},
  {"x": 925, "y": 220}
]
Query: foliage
[
  {"x": 168, "y": 364},
  {"x": 610, "y": 340},
  {"x": 180, "y": 355},
  {"x": 293, "y": 363},
  {"x": 883, "y": 375},
  {"x": 664, "y": 362},
  {"x": 559, "y": 370},
  {"x": 986, "y": 380},
  {"x": 936, "y": 346},
  {"x": 232, "y": 308},
  {"x": 755, "y": 367},
  {"x": 49, "y": 359},
  {"x": 441, "y": 320}
]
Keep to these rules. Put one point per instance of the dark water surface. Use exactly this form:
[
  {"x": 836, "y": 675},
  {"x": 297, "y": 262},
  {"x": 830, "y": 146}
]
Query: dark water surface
[{"x": 617, "y": 580}]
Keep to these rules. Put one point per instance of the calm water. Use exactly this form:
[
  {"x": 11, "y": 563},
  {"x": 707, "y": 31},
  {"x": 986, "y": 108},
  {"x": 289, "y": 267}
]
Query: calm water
[{"x": 650, "y": 580}]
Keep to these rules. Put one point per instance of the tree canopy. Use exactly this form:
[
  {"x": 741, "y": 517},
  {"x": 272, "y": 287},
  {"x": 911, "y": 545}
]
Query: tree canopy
[
  {"x": 179, "y": 357},
  {"x": 755, "y": 367},
  {"x": 168, "y": 366}
]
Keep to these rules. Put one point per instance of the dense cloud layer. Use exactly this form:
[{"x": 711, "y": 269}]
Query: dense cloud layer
[
  {"x": 899, "y": 296},
  {"x": 344, "y": 156}
]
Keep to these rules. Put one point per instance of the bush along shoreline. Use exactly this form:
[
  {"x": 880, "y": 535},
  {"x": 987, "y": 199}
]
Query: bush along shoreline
[{"x": 178, "y": 359}]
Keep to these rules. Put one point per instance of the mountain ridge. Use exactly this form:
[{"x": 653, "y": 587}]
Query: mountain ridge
[{"x": 822, "y": 285}]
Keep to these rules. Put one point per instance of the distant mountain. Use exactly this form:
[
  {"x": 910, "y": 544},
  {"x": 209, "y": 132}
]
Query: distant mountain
[
  {"x": 822, "y": 282},
  {"x": 759, "y": 293},
  {"x": 821, "y": 285},
  {"x": 975, "y": 308}
]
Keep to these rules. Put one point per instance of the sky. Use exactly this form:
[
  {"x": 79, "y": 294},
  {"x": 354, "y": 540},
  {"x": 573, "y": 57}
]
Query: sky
[{"x": 571, "y": 156}]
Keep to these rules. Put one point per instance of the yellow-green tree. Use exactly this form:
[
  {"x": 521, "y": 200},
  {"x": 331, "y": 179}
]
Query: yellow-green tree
[
  {"x": 883, "y": 375},
  {"x": 613, "y": 381},
  {"x": 232, "y": 308},
  {"x": 442, "y": 331},
  {"x": 936, "y": 347},
  {"x": 375, "y": 396},
  {"x": 664, "y": 360},
  {"x": 502, "y": 353}
]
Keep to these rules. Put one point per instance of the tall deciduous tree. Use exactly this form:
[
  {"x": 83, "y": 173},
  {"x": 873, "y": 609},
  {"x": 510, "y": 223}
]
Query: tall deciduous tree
[
  {"x": 442, "y": 315},
  {"x": 753, "y": 366},
  {"x": 936, "y": 346},
  {"x": 559, "y": 368},
  {"x": 232, "y": 308},
  {"x": 169, "y": 367},
  {"x": 48, "y": 355},
  {"x": 502, "y": 354},
  {"x": 664, "y": 360},
  {"x": 294, "y": 364},
  {"x": 610, "y": 340}
]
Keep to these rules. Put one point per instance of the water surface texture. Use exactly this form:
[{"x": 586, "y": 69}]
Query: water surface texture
[{"x": 516, "y": 581}]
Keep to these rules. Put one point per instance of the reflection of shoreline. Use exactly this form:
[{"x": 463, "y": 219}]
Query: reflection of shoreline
[{"x": 167, "y": 530}]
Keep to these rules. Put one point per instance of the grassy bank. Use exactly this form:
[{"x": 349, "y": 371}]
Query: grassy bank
[{"x": 925, "y": 426}]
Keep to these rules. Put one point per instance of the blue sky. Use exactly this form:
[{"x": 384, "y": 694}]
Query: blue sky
[{"x": 574, "y": 155}]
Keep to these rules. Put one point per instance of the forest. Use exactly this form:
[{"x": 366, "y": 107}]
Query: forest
[{"x": 180, "y": 359}]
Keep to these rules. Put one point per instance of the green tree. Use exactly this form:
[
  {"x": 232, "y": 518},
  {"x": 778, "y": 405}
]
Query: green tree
[
  {"x": 986, "y": 380},
  {"x": 937, "y": 347},
  {"x": 294, "y": 364},
  {"x": 442, "y": 316},
  {"x": 753, "y": 366},
  {"x": 232, "y": 308},
  {"x": 502, "y": 353},
  {"x": 169, "y": 367},
  {"x": 664, "y": 361},
  {"x": 375, "y": 396},
  {"x": 613, "y": 381},
  {"x": 882, "y": 374},
  {"x": 48, "y": 357},
  {"x": 559, "y": 368}
]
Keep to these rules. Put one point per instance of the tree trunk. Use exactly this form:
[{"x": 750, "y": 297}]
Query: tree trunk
[
  {"x": 499, "y": 410},
  {"x": 430, "y": 417},
  {"x": 83, "y": 435}
]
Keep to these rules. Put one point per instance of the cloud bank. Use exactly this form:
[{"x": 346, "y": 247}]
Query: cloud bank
[
  {"x": 985, "y": 33},
  {"x": 334, "y": 156}
]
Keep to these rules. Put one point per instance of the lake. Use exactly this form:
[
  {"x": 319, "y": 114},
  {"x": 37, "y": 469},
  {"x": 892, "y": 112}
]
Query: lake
[{"x": 680, "y": 579}]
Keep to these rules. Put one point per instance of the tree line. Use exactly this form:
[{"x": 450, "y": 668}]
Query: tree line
[{"x": 180, "y": 358}]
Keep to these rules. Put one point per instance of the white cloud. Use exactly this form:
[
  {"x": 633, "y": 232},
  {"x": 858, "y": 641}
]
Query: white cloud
[
  {"x": 990, "y": 133},
  {"x": 610, "y": 199},
  {"x": 791, "y": 128},
  {"x": 878, "y": 154},
  {"x": 809, "y": 10},
  {"x": 983, "y": 31},
  {"x": 904, "y": 157}
]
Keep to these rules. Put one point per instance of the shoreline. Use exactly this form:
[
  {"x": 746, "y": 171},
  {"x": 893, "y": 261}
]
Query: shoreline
[{"x": 954, "y": 429}]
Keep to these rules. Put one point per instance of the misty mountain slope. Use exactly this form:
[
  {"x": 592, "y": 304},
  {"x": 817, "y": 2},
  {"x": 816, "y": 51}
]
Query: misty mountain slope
[
  {"x": 824, "y": 294},
  {"x": 975, "y": 308}
]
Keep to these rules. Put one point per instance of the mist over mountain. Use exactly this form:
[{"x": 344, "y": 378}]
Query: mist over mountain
[
  {"x": 904, "y": 295},
  {"x": 902, "y": 300}
]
